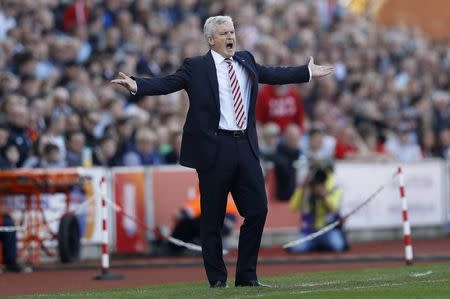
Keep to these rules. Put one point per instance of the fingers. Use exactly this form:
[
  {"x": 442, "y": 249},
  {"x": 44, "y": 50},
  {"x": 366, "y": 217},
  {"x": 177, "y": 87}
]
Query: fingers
[
  {"x": 328, "y": 68},
  {"x": 122, "y": 75},
  {"x": 126, "y": 82},
  {"x": 321, "y": 70},
  {"x": 122, "y": 82},
  {"x": 119, "y": 81}
]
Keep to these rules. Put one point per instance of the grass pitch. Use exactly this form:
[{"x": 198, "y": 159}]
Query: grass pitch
[{"x": 422, "y": 281}]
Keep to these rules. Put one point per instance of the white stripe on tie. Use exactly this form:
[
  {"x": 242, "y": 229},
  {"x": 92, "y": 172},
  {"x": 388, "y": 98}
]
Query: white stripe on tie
[{"x": 238, "y": 103}]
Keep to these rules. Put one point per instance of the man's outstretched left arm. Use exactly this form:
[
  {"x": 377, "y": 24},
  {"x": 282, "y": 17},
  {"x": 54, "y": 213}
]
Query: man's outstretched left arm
[{"x": 296, "y": 74}]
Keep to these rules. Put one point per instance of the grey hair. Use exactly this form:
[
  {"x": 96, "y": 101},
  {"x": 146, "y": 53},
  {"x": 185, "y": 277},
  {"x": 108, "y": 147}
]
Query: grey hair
[{"x": 211, "y": 22}]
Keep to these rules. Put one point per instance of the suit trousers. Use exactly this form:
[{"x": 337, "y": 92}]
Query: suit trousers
[{"x": 236, "y": 170}]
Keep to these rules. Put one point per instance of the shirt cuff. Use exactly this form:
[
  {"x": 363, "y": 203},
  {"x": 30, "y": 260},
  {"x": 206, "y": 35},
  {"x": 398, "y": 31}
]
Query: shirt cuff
[
  {"x": 310, "y": 74},
  {"x": 133, "y": 93}
]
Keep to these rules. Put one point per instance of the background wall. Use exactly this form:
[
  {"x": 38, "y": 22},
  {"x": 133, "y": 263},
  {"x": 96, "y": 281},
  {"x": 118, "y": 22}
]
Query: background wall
[{"x": 433, "y": 17}]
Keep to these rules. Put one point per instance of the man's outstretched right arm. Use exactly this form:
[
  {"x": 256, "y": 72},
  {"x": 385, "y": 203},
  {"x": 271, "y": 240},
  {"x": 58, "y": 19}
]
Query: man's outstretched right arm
[{"x": 156, "y": 86}]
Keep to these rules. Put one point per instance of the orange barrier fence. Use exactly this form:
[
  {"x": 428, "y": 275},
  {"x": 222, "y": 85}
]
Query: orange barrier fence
[{"x": 31, "y": 185}]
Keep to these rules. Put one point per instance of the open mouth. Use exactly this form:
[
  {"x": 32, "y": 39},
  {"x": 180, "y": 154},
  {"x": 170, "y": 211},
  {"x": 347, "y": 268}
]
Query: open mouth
[{"x": 229, "y": 46}]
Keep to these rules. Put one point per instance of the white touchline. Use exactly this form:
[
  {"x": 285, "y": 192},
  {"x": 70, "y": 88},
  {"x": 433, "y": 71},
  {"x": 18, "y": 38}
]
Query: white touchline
[
  {"x": 419, "y": 274},
  {"x": 370, "y": 286},
  {"x": 315, "y": 284}
]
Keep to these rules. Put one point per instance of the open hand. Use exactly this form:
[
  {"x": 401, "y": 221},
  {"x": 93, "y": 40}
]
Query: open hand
[
  {"x": 126, "y": 82},
  {"x": 319, "y": 70}
]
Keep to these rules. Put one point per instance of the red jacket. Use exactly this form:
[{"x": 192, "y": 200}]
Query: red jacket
[
  {"x": 282, "y": 110},
  {"x": 75, "y": 13}
]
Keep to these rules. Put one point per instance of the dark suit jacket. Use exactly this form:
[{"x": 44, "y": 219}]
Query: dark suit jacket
[{"x": 198, "y": 77}]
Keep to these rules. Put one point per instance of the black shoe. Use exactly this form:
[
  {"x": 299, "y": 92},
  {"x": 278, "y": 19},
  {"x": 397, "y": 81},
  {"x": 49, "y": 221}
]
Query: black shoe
[
  {"x": 251, "y": 283},
  {"x": 219, "y": 284}
]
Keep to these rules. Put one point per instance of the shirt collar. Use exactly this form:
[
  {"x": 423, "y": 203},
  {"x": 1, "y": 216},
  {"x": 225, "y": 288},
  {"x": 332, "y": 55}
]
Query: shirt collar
[{"x": 218, "y": 59}]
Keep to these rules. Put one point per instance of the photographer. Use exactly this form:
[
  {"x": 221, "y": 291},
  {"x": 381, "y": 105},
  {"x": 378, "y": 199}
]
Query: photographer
[{"x": 318, "y": 201}]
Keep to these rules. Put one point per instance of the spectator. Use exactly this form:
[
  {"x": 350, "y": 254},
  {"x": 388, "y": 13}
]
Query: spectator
[
  {"x": 125, "y": 129},
  {"x": 9, "y": 83},
  {"x": 441, "y": 109},
  {"x": 285, "y": 160},
  {"x": 373, "y": 143},
  {"x": 51, "y": 157},
  {"x": 75, "y": 14},
  {"x": 428, "y": 143},
  {"x": 317, "y": 145},
  {"x": 73, "y": 122},
  {"x": 163, "y": 140},
  {"x": 57, "y": 58},
  {"x": 37, "y": 153},
  {"x": 9, "y": 157},
  {"x": 7, "y": 18},
  {"x": 113, "y": 110},
  {"x": 30, "y": 86},
  {"x": 173, "y": 156},
  {"x": 349, "y": 144},
  {"x": 269, "y": 139},
  {"x": 318, "y": 202},
  {"x": 55, "y": 133},
  {"x": 284, "y": 155},
  {"x": 75, "y": 147},
  {"x": 444, "y": 143},
  {"x": 89, "y": 122},
  {"x": 145, "y": 151},
  {"x": 17, "y": 115},
  {"x": 105, "y": 154},
  {"x": 38, "y": 114},
  {"x": 280, "y": 104},
  {"x": 401, "y": 146},
  {"x": 60, "y": 101}
]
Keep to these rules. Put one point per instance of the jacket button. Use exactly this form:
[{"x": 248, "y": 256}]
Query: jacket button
[{"x": 215, "y": 133}]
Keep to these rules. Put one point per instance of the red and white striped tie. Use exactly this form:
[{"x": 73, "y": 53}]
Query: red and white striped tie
[{"x": 238, "y": 102}]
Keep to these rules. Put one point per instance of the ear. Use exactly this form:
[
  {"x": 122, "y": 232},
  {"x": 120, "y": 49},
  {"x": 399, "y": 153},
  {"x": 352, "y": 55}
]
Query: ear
[{"x": 210, "y": 41}]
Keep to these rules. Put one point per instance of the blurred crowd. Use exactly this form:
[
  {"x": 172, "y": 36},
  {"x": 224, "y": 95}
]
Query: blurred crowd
[{"x": 388, "y": 99}]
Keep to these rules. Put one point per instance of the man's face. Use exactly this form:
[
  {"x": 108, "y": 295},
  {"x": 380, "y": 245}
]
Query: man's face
[
  {"x": 76, "y": 143},
  {"x": 54, "y": 156},
  {"x": 146, "y": 145},
  {"x": 109, "y": 148},
  {"x": 223, "y": 39}
]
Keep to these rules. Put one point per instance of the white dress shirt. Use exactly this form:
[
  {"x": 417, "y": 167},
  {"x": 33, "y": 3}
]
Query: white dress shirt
[{"x": 227, "y": 114}]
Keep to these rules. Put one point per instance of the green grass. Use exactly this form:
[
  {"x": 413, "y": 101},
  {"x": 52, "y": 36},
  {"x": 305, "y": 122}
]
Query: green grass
[{"x": 423, "y": 281}]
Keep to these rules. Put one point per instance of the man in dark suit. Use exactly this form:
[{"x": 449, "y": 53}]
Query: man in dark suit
[{"x": 219, "y": 139}]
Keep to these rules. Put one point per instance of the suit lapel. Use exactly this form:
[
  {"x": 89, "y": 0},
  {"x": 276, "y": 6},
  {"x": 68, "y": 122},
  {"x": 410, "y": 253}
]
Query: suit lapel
[
  {"x": 251, "y": 71},
  {"x": 212, "y": 76}
]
